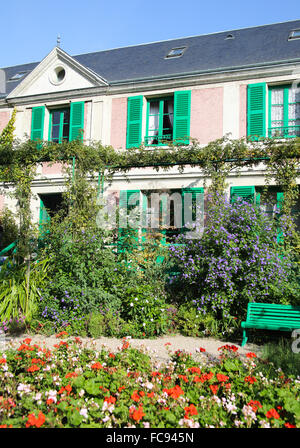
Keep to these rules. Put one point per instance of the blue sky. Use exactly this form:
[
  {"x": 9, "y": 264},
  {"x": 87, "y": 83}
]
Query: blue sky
[{"x": 29, "y": 28}]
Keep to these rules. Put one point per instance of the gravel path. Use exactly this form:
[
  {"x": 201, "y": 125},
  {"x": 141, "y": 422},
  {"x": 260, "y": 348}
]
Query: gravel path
[{"x": 159, "y": 349}]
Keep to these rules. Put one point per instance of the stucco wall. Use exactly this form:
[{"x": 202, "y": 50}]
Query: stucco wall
[
  {"x": 118, "y": 123},
  {"x": 207, "y": 114},
  {"x": 4, "y": 119}
]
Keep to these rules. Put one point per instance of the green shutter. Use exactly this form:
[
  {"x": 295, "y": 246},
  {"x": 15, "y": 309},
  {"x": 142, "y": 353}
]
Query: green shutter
[
  {"x": 182, "y": 114},
  {"x": 76, "y": 121},
  {"x": 44, "y": 218},
  {"x": 125, "y": 233},
  {"x": 256, "y": 110},
  {"x": 245, "y": 193},
  {"x": 134, "y": 121},
  {"x": 37, "y": 123}
]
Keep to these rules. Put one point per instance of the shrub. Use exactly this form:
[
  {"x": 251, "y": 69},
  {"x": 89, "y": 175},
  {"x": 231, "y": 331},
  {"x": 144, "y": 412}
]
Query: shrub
[
  {"x": 84, "y": 276},
  {"x": 9, "y": 232},
  {"x": 237, "y": 260}
]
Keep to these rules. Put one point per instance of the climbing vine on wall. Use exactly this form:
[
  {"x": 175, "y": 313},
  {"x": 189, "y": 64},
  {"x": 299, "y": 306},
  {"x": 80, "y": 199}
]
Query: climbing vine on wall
[{"x": 217, "y": 160}]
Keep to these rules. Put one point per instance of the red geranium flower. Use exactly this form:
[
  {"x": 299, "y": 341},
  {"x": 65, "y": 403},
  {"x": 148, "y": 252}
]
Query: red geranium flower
[
  {"x": 190, "y": 410},
  {"x": 222, "y": 378},
  {"x": 251, "y": 355},
  {"x": 110, "y": 399},
  {"x": 37, "y": 422},
  {"x": 254, "y": 405},
  {"x": 214, "y": 388},
  {"x": 136, "y": 414},
  {"x": 97, "y": 366},
  {"x": 174, "y": 392},
  {"x": 135, "y": 396},
  {"x": 289, "y": 425},
  {"x": 33, "y": 368},
  {"x": 272, "y": 413},
  {"x": 250, "y": 379}
]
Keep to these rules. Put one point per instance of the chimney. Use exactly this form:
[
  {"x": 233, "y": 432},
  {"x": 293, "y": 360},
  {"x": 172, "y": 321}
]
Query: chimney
[{"x": 2, "y": 82}]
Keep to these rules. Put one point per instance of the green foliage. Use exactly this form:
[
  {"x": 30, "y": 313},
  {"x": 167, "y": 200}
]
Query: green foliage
[
  {"x": 105, "y": 323},
  {"x": 146, "y": 310},
  {"x": 7, "y": 135},
  {"x": 10, "y": 228},
  {"x": 280, "y": 354},
  {"x": 84, "y": 276},
  {"x": 237, "y": 260},
  {"x": 20, "y": 293}
]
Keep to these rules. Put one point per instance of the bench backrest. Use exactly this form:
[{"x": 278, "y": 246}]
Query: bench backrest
[{"x": 269, "y": 312}]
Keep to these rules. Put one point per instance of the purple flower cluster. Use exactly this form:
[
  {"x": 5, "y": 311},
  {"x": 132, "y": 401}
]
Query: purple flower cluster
[{"x": 237, "y": 260}]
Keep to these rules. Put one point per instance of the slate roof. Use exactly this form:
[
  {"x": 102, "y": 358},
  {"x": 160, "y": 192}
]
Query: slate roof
[{"x": 250, "y": 47}]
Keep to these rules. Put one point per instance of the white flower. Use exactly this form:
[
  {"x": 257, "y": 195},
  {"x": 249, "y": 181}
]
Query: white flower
[
  {"x": 131, "y": 304},
  {"x": 84, "y": 412},
  {"x": 81, "y": 393}
]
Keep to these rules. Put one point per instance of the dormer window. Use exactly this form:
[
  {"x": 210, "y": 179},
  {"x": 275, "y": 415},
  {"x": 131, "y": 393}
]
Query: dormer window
[
  {"x": 176, "y": 52},
  {"x": 18, "y": 76},
  {"x": 294, "y": 34}
]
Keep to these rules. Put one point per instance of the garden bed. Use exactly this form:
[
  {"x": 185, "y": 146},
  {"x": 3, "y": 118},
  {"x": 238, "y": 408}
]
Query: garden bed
[{"x": 71, "y": 385}]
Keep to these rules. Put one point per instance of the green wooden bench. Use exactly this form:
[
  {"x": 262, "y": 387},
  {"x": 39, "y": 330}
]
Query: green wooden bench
[{"x": 268, "y": 316}]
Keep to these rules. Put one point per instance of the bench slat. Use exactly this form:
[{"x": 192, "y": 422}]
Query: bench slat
[
  {"x": 271, "y": 316},
  {"x": 273, "y": 305}
]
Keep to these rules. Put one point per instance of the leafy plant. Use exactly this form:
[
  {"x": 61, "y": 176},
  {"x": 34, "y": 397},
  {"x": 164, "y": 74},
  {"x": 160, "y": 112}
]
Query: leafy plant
[
  {"x": 17, "y": 294},
  {"x": 237, "y": 260}
]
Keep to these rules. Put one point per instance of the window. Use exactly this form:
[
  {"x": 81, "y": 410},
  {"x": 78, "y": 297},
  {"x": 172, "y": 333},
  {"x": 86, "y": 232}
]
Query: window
[
  {"x": 18, "y": 76},
  {"x": 59, "y": 125},
  {"x": 167, "y": 119},
  {"x": 65, "y": 124},
  {"x": 159, "y": 214},
  {"x": 160, "y": 120},
  {"x": 176, "y": 52},
  {"x": 295, "y": 34},
  {"x": 284, "y": 112}
]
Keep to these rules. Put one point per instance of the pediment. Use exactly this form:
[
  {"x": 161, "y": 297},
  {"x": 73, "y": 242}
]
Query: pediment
[{"x": 57, "y": 72}]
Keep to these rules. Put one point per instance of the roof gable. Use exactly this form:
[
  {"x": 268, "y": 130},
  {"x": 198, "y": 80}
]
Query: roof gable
[{"x": 56, "y": 72}]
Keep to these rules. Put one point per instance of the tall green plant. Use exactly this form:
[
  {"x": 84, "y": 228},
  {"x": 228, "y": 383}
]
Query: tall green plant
[{"x": 17, "y": 296}]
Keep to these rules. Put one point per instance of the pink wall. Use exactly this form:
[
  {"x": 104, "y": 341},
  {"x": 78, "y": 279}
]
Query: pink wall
[
  {"x": 207, "y": 114},
  {"x": 4, "y": 119},
  {"x": 118, "y": 123},
  {"x": 243, "y": 111},
  {"x": 55, "y": 168}
]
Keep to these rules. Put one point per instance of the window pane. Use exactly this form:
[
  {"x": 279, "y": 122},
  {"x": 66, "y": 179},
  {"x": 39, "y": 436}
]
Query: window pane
[
  {"x": 56, "y": 117},
  {"x": 168, "y": 119},
  {"x": 66, "y": 116},
  {"x": 294, "y": 95},
  {"x": 66, "y": 131},
  {"x": 277, "y": 114},
  {"x": 55, "y": 134},
  {"x": 153, "y": 123},
  {"x": 277, "y": 96}
]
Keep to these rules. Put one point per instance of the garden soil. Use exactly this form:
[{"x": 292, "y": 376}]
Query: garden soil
[{"x": 160, "y": 349}]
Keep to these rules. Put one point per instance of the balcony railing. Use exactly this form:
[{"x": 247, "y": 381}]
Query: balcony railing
[
  {"x": 158, "y": 140},
  {"x": 284, "y": 132}
]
